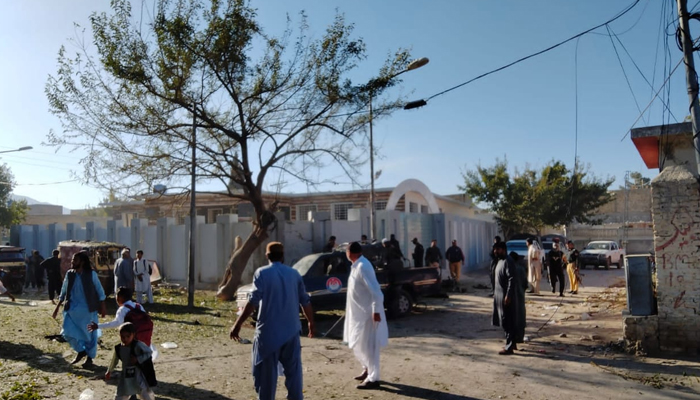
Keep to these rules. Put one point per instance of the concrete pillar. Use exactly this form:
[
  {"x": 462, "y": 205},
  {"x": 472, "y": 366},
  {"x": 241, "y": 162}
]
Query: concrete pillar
[
  {"x": 225, "y": 240},
  {"x": 113, "y": 227},
  {"x": 162, "y": 241},
  {"x": 137, "y": 226}
]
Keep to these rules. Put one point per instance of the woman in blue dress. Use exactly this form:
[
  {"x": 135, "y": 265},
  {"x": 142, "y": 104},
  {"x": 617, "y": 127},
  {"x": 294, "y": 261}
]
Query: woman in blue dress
[{"x": 83, "y": 296}]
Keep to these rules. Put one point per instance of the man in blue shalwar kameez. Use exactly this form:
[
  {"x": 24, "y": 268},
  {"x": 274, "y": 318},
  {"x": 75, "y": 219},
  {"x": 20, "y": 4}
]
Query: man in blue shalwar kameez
[{"x": 278, "y": 290}]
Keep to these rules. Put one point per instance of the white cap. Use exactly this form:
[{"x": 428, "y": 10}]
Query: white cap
[{"x": 385, "y": 240}]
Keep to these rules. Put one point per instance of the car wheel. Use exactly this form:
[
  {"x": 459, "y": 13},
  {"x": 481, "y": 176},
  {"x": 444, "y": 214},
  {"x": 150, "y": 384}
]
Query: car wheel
[
  {"x": 16, "y": 287},
  {"x": 620, "y": 262},
  {"x": 607, "y": 263},
  {"x": 401, "y": 304},
  {"x": 595, "y": 266}
]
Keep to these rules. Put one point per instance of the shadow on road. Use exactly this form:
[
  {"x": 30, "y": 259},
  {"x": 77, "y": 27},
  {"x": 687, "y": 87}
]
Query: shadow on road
[{"x": 420, "y": 393}]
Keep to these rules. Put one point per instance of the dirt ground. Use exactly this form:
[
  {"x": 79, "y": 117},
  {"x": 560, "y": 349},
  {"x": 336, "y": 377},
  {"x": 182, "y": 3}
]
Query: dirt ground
[{"x": 446, "y": 350}]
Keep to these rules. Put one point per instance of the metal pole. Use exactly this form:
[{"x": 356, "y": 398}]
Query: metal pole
[
  {"x": 372, "y": 222},
  {"x": 690, "y": 76},
  {"x": 193, "y": 218}
]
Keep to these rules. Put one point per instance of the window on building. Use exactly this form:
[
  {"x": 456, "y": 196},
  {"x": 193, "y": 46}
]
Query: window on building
[
  {"x": 423, "y": 209},
  {"x": 303, "y": 211},
  {"x": 213, "y": 213},
  {"x": 380, "y": 205},
  {"x": 127, "y": 217},
  {"x": 287, "y": 210},
  {"x": 340, "y": 211},
  {"x": 412, "y": 207}
]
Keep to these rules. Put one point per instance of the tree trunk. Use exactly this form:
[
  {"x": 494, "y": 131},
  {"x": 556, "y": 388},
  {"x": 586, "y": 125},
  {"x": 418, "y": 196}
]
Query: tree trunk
[{"x": 237, "y": 263}]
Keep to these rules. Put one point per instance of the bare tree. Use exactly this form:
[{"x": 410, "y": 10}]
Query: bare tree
[{"x": 263, "y": 106}]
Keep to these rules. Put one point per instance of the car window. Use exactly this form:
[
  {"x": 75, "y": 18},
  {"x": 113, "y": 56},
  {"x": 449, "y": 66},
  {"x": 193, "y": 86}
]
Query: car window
[
  {"x": 11, "y": 256},
  {"x": 597, "y": 246},
  {"x": 338, "y": 265},
  {"x": 304, "y": 265},
  {"x": 515, "y": 246}
]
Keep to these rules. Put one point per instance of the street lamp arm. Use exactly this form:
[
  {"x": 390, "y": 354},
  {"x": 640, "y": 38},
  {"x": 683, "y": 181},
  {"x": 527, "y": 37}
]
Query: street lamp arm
[
  {"x": 20, "y": 149},
  {"x": 415, "y": 104}
]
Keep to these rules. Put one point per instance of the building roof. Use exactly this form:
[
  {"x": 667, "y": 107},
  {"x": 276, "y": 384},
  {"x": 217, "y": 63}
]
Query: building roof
[{"x": 646, "y": 140}]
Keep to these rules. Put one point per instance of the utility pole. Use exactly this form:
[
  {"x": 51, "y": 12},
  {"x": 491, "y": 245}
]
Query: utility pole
[
  {"x": 193, "y": 218},
  {"x": 690, "y": 75}
]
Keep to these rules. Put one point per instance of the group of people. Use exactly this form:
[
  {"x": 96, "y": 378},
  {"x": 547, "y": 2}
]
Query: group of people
[
  {"x": 38, "y": 267},
  {"x": 83, "y": 298},
  {"x": 558, "y": 263},
  {"x": 510, "y": 280},
  {"x": 135, "y": 274},
  {"x": 279, "y": 291}
]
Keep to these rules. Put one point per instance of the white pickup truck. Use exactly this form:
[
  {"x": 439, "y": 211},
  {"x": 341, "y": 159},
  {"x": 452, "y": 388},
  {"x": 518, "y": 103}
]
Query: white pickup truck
[{"x": 602, "y": 252}]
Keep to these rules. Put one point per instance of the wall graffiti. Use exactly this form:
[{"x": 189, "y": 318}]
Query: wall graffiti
[{"x": 682, "y": 221}]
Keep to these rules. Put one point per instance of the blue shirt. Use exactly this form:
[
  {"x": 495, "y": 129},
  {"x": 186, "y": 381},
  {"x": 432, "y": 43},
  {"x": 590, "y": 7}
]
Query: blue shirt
[{"x": 278, "y": 290}]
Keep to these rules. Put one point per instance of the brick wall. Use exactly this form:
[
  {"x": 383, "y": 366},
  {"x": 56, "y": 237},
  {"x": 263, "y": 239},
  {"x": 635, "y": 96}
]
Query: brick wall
[{"x": 676, "y": 216}]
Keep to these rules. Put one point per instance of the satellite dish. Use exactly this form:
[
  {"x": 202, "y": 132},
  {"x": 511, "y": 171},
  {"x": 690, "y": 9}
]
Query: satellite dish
[{"x": 159, "y": 188}]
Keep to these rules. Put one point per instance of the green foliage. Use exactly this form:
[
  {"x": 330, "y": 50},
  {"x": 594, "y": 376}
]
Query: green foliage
[
  {"x": 22, "y": 391},
  {"x": 265, "y": 108},
  {"x": 262, "y": 105},
  {"x": 532, "y": 199},
  {"x": 636, "y": 181},
  {"x": 11, "y": 212}
]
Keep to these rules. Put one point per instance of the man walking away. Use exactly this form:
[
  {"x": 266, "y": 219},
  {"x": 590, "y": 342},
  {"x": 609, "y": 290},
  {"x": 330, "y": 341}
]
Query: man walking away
[
  {"x": 455, "y": 257},
  {"x": 366, "y": 331},
  {"x": 555, "y": 259},
  {"x": 417, "y": 253},
  {"x": 52, "y": 266},
  {"x": 278, "y": 292},
  {"x": 396, "y": 246},
  {"x": 534, "y": 266},
  {"x": 494, "y": 261},
  {"x": 142, "y": 282},
  {"x": 124, "y": 271},
  {"x": 505, "y": 299},
  {"x": 572, "y": 266},
  {"x": 37, "y": 259},
  {"x": 433, "y": 255}
]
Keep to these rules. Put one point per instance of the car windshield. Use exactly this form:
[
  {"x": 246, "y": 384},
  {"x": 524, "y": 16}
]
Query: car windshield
[
  {"x": 598, "y": 246},
  {"x": 11, "y": 256},
  {"x": 302, "y": 266},
  {"x": 548, "y": 245},
  {"x": 515, "y": 246}
]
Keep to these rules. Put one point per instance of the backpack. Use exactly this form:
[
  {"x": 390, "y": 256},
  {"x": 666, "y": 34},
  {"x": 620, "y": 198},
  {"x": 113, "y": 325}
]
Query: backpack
[{"x": 143, "y": 323}]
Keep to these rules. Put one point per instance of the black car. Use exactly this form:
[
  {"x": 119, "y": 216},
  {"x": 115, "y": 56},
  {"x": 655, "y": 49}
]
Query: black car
[
  {"x": 326, "y": 280},
  {"x": 12, "y": 268}
]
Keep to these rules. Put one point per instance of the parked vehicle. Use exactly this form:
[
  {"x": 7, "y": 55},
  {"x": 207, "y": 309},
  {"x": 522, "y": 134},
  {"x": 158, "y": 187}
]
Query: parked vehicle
[
  {"x": 102, "y": 255},
  {"x": 12, "y": 268},
  {"x": 602, "y": 252},
  {"x": 520, "y": 247},
  {"x": 326, "y": 279}
]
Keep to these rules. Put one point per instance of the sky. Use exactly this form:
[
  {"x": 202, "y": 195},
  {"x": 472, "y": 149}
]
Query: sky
[{"x": 571, "y": 101}]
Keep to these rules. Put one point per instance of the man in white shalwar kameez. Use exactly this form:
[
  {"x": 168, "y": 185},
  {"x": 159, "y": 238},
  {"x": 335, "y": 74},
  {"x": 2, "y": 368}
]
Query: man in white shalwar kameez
[
  {"x": 534, "y": 266},
  {"x": 366, "y": 331}
]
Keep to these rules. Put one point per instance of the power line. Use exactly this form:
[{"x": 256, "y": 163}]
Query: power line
[
  {"x": 620, "y": 14},
  {"x": 46, "y": 183},
  {"x": 629, "y": 85},
  {"x": 637, "y": 67}
]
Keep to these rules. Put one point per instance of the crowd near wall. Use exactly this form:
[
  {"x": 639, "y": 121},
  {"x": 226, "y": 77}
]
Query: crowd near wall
[{"x": 168, "y": 242}]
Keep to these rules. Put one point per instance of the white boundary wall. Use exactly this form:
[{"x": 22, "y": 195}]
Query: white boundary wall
[{"x": 168, "y": 243}]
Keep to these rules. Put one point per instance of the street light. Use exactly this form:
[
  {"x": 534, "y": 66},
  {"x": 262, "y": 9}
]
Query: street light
[
  {"x": 20, "y": 149},
  {"x": 415, "y": 64}
]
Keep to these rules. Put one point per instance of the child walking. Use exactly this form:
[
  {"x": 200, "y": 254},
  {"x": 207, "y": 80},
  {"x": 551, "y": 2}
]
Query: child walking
[{"x": 137, "y": 375}]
